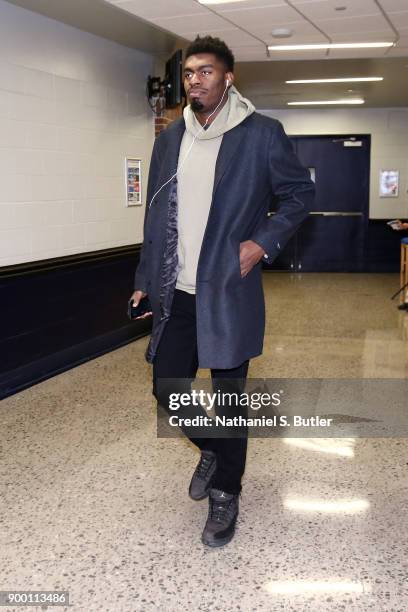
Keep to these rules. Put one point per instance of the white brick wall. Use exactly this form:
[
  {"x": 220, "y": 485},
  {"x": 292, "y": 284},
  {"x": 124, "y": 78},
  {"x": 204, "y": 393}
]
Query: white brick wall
[
  {"x": 72, "y": 106},
  {"x": 389, "y": 144}
]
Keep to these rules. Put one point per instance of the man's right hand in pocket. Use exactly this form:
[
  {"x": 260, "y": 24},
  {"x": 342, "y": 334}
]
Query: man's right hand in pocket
[{"x": 136, "y": 297}]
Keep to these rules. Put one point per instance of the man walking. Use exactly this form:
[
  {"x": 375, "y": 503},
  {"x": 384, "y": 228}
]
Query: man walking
[{"x": 205, "y": 235}]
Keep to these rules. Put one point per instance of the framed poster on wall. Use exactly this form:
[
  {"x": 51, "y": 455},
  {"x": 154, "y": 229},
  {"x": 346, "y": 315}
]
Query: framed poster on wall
[
  {"x": 389, "y": 183},
  {"x": 133, "y": 174}
]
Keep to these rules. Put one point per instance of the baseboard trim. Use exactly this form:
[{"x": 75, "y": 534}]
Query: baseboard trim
[
  {"x": 42, "y": 369},
  {"x": 58, "y": 263}
]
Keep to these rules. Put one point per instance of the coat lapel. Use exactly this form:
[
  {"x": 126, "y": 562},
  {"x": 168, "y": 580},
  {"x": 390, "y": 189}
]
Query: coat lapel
[
  {"x": 173, "y": 148},
  {"x": 229, "y": 147}
]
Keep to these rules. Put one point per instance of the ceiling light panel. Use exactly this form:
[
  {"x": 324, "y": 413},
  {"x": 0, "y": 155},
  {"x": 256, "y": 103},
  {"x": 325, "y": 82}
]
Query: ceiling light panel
[
  {"x": 337, "y": 80},
  {"x": 315, "y": 47},
  {"x": 346, "y": 102}
]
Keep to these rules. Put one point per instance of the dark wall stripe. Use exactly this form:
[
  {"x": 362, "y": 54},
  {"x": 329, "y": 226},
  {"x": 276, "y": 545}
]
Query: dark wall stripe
[
  {"x": 58, "y": 313},
  {"x": 379, "y": 252}
]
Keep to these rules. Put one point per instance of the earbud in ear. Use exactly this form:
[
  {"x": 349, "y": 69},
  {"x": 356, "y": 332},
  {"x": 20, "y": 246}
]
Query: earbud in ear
[{"x": 227, "y": 82}]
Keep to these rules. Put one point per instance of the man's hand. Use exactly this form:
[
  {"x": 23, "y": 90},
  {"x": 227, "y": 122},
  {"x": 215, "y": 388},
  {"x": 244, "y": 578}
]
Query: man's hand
[
  {"x": 249, "y": 254},
  {"x": 401, "y": 225},
  {"x": 137, "y": 296}
]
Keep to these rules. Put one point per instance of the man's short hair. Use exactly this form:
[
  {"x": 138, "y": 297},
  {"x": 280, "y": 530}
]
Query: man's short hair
[{"x": 208, "y": 44}]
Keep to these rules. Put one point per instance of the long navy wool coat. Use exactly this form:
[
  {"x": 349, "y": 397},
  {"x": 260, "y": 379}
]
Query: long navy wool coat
[{"x": 255, "y": 163}]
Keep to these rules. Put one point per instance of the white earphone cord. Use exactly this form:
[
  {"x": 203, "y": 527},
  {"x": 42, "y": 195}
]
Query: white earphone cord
[{"x": 190, "y": 147}]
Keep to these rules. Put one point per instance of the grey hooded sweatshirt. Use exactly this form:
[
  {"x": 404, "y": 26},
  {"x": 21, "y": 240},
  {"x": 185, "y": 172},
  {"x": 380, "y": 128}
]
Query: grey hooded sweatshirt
[{"x": 196, "y": 180}]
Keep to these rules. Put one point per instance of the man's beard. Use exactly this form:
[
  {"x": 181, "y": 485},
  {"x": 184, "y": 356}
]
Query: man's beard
[{"x": 196, "y": 105}]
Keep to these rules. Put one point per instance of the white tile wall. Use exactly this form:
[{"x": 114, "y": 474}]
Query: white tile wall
[
  {"x": 389, "y": 144},
  {"x": 72, "y": 106}
]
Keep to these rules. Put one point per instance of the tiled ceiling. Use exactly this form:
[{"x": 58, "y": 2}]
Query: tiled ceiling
[
  {"x": 246, "y": 26},
  {"x": 161, "y": 26},
  {"x": 264, "y": 83}
]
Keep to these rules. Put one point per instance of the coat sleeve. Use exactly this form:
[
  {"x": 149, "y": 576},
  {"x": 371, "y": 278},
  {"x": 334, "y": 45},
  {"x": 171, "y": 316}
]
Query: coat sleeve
[
  {"x": 294, "y": 191},
  {"x": 140, "y": 281}
]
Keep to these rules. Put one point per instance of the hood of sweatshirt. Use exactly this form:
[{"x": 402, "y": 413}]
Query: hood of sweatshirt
[{"x": 235, "y": 110}]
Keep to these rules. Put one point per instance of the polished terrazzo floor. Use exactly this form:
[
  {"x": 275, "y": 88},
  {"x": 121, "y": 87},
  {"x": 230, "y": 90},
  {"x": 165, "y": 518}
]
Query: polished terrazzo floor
[{"x": 93, "y": 503}]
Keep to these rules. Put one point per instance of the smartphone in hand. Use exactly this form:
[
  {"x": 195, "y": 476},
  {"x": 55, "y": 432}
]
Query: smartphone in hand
[{"x": 139, "y": 310}]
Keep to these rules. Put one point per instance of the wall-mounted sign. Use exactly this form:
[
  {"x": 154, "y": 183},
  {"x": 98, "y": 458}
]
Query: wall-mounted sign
[
  {"x": 389, "y": 183},
  {"x": 133, "y": 172}
]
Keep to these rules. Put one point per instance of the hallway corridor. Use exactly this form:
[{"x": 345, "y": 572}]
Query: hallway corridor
[{"x": 93, "y": 503}]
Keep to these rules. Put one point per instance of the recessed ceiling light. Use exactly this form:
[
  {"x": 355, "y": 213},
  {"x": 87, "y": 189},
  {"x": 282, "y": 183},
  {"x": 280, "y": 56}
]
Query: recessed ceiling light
[
  {"x": 281, "y": 33},
  {"x": 339, "y": 80},
  {"x": 367, "y": 45},
  {"x": 330, "y": 102}
]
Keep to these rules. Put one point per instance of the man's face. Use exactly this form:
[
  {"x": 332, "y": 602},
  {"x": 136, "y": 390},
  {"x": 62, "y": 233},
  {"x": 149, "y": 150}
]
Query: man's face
[{"x": 204, "y": 81}]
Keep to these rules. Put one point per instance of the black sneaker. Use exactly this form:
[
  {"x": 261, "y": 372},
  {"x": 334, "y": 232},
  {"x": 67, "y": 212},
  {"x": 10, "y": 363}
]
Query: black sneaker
[
  {"x": 222, "y": 517},
  {"x": 403, "y": 306},
  {"x": 201, "y": 481}
]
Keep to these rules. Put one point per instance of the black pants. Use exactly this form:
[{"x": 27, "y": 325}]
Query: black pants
[{"x": 177, "y": 358}]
